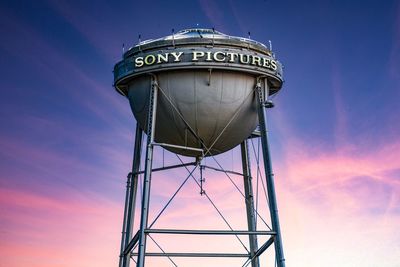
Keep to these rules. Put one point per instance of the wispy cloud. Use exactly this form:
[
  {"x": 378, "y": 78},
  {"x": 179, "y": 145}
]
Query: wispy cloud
[
  {"x": 340, "y": 198},
  {"x": 100, "y": 33},
  {"x": 63, "y": 72},
  {"x": 40, "y": 226},
  {"x": 214, "y": 13},
  {"x": 41, "y": 165},
  {"x": 340, "y": 108}
]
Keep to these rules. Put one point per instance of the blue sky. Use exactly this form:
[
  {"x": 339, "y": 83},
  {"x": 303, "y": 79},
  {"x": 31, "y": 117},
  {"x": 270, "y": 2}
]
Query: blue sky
[{"x": 66, "y": 136}]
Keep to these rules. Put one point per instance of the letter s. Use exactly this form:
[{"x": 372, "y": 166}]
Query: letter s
[
  {"x": 273, "y": 65},
  {"x": 139, "y": 62}
]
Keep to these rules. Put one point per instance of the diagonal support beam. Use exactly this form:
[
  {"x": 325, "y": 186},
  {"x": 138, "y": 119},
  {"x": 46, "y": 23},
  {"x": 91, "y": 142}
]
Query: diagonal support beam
[
  {"x": 260, "y": 251},
  {"x": 131, "y": 244},
  {"x": 264, "y": 247}
]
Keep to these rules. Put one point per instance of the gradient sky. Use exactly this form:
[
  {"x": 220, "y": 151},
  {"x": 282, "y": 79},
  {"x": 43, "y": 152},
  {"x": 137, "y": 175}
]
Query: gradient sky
[{"x": 66, "y": 136}]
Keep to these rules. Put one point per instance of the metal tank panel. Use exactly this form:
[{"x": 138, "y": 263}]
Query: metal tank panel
[
  {"x": 207, "y": 109},
  {"x": 211, "y": 84}
]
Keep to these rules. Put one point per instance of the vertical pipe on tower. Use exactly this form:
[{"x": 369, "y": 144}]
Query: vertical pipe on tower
[
  {"x": 249, "y": 199},
  {"x": 269, "y": 176},
  {"x": 151, "y": 123},
  {"x": 123, "y": 233}
]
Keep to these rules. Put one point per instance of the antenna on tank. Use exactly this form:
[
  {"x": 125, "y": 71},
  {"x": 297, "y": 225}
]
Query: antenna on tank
[
  {"x": 140, "y": 41},
  {"x": 123, "y": 48},
  {"x": 213, "y": 36},
  {"x": 248, "y": 44},
  {"x": 173, "y": 37},
  {"x": 270, "y": 45}
]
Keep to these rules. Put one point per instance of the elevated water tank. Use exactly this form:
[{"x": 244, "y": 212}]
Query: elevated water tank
[{"x": 206, "y": 82}]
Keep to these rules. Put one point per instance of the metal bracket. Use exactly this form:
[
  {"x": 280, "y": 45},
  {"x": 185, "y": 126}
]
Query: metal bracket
[{"x": 202, "y": 180}]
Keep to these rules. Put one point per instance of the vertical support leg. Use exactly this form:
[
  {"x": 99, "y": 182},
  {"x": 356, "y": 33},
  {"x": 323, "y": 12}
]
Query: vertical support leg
[
  {"x": 262, "y": 97},
  {"x": 248, "y": 189},
  {"x": 122, "y": 257},
  {"x": 132, "y": 195},
  {"x": 147, "y": 174}
]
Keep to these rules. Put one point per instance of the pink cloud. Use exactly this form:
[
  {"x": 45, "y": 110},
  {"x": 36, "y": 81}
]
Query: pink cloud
[
  {"x": 339, "y": 206},
  {"x": 49, "y": 161},
  {"x": 324, "y": 197},
  {"x": 48, "y": 231}
]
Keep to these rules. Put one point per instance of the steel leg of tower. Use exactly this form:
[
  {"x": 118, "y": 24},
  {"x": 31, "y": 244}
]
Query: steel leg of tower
[
  {"x": 122, "y": 256},
  {"x": 262, "y": 96},
  {"x": 248, "y": 189},
  {"x": 134, "y": 185},
  {"x": 147, "y": 175},
  {"x": 130, "y": 199}
]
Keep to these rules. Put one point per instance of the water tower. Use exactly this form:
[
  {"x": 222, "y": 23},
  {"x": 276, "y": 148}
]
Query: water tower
[{"x": 198, "y": 93}]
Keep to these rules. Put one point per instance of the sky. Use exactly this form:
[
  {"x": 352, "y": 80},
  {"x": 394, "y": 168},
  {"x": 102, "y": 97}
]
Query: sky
[{"x": 66, "y": 136}]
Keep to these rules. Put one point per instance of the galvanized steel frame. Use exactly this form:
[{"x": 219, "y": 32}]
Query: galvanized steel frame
[{"x": 128, "y": 243}]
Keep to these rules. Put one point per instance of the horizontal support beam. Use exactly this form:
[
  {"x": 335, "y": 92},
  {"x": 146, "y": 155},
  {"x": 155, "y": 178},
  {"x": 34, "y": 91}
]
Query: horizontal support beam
[
  {"x": 179, "y": 147},
  {"x": 221, "y": 170},
  {"x": 207, "y": 232},
  {"x": 195, "y": 255},
  {"x": 168, "y": 167}
]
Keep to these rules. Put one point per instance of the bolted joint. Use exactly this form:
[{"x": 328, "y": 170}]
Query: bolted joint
[
  {"x": 198, "y": 161},
  {"x": 269, "y": 104}
]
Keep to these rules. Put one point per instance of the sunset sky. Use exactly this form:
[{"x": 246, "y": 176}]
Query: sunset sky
[{"x": 66, "y": 136}]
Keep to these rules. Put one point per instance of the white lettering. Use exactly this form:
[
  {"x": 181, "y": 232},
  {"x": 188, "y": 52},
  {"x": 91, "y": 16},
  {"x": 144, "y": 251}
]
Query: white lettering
[
  {"x": 273, "y": 64},
  {"x": 149, "y": 59},
  {"x": 208, "y": 56},
  {"x": 162, "y": 58},
  {"x": 257, "y": 60},
  {"x": 139, "y": 62},
  {"x": 221, "y": 58},
  {"x": 196, "y": 55},
  {"x": 241, "y": 59},
  {"x": 177, "y": 56},
  {"x": 231, "y": 56}
]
